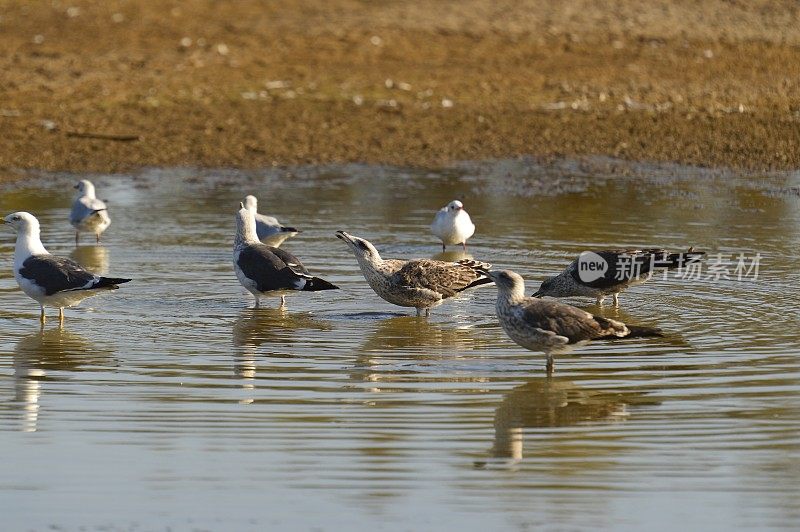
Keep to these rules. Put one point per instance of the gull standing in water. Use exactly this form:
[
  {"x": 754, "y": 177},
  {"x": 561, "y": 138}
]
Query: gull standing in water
[
  {"x": 52, "y": 281},
  {"x": 268, "y": 228},
  {"x": 543, "y": 325},
  {"x": 452, "y": 225},
  {"x": 88, "y": 214},
  {"x": 267, "y": 270},
  {"x": 419, "y": 283},
  {"x": 599, "y": 274}
]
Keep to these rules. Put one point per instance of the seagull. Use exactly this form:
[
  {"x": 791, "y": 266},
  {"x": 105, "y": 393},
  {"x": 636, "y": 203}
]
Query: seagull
[
  {"x": 88, "y": 213},
  {"x": 452, "y": 225},
  {"x": 550, "y": 326},
  {"x": 267, "y": 270},
  {"x": 419, "y": 283},
  {"x": 602, "y": 273},
  {"x": 268, "y": 228},
  {"x": 53, "y": 281}
]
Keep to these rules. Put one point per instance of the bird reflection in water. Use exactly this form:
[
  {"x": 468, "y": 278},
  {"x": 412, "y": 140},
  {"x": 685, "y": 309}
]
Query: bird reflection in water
[
  {"x": 415, "y": 341},
  {"x": 38, "y": 356},
  {"x": 452, "y": 256},
  {"x": 554, "y": 402},
  {"x": 271, "y": 326},
  {"x": 93, "y": 258}
]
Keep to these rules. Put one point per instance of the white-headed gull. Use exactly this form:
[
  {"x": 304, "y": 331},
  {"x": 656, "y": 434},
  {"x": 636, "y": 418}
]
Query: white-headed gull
[
  {"x": 52, "y": 281},
  {"x": 88, "y": 214},
  {"x": 267, "y": 270},
  {"x": 452, "y": 225}
]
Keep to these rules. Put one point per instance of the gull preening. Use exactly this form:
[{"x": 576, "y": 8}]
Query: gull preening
[
  {"x": 265, "y": 270},
  {"x": 268, "y": 229},
  {"x": 599, "y": 274},
  {"x": 452, "y": 225},
  {"x": 419, "y": 283},
  {"x": 51, "y": 281},
  {"x": 88, "y": 214},
  {"x": 550, "y": 326}
]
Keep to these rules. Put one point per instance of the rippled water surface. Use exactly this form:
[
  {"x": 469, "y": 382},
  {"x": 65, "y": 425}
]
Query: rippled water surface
[{"x": 172, "y": 404}]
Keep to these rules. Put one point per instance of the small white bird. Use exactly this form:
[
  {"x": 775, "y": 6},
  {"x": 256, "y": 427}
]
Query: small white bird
[
  {"x": 452, "y": 225},
  {"x": 88, "y": 214},
  {"x": 268, "y": 228},
  {"x": 53, "y": 281},
  {"x": 267, "y": 270}
]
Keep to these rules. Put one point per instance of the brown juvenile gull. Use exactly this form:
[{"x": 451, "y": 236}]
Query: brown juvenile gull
[
  {"x": 550, "y": 326},
  {"x": 267, "y": 270},
  {"x": 419, "y": 283},
  {"x": 52, "y": 281},
  {"x": 88, "y": 213},
  {"x": 599, "y": 274},
  {"x": 269, "y": 230}
]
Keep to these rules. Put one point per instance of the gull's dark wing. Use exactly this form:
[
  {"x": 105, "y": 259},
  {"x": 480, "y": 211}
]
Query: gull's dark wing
[
  {"x": 269, "y": 268},
  {"x": 565, "y": 320},
  {"x": 57, "y": 274}
]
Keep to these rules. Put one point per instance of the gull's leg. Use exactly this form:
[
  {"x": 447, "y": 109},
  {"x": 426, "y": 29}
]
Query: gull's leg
[
  {"x": 77, "y": 237},
  {"x": 257, "y": 305},
  {"x": 283, "y": 301},
  {"x": 61, "y": 315},
  {"x": 464, "y": 243},
  {"x": 97, "y": 236},
  {"x": 444, "y": 248},
  {"x": 427, "y": 312},
  {"x": 600, "y": 300},
  {"x": 616, "y": 299},
  {"x": 419, "y": 312},
  {"x": 42, "y": 317},
  {"x": 550, "y": 365}
]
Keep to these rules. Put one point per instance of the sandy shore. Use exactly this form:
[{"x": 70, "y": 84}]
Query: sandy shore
[{"x": 110, "y": 86}]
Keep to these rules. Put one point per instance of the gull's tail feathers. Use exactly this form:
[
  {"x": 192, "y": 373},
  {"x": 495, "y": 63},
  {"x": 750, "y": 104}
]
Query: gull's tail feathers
[
  {"x": 111, "y": 282},
  {"x": 481, "y": 268},
  {"x": 315, "y": 284},
  {"x": 680, "y": 260}
]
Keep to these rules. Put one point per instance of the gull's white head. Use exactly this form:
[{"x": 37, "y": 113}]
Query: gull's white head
[
  {"x": 22, "y": 222},
  {"x": 251, "y": 203},
  {"x": 454, "y": 206},
  {"x": 245, "y": 224},
  {"x": 85, "y": 188},
  {"x": 508, "y": 282},
  {"x": 362, "y": 249}
]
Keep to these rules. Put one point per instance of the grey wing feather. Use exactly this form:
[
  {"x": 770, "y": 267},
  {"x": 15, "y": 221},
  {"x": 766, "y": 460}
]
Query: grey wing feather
[
  {"x": 266, "y": 226},
  {"x": 57, "y": 274},
  {"x": 84, "y": 207}
]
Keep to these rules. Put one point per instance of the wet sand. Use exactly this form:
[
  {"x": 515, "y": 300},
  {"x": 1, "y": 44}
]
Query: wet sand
[{"x": 111, "y": 86}]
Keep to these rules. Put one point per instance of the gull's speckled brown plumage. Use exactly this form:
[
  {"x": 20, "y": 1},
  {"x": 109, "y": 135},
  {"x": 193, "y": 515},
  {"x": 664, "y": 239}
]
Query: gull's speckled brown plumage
[
  {"x": 542, "y": 325},
  {"x": 419, "y": 283}
]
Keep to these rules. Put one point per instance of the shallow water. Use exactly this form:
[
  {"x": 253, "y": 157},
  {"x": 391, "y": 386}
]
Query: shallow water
[{"x": 171, "y": 403}]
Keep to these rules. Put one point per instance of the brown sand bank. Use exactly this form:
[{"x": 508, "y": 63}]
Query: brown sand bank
[{"x": 250, "y": 84}]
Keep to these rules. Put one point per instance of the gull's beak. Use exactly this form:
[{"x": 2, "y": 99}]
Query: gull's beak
[
  {"x": 343, "y": 236},
  {"x": 76, "y": 187},
  {"x": 241, "y": 205},
  {"x": 538, "y": 293}
]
